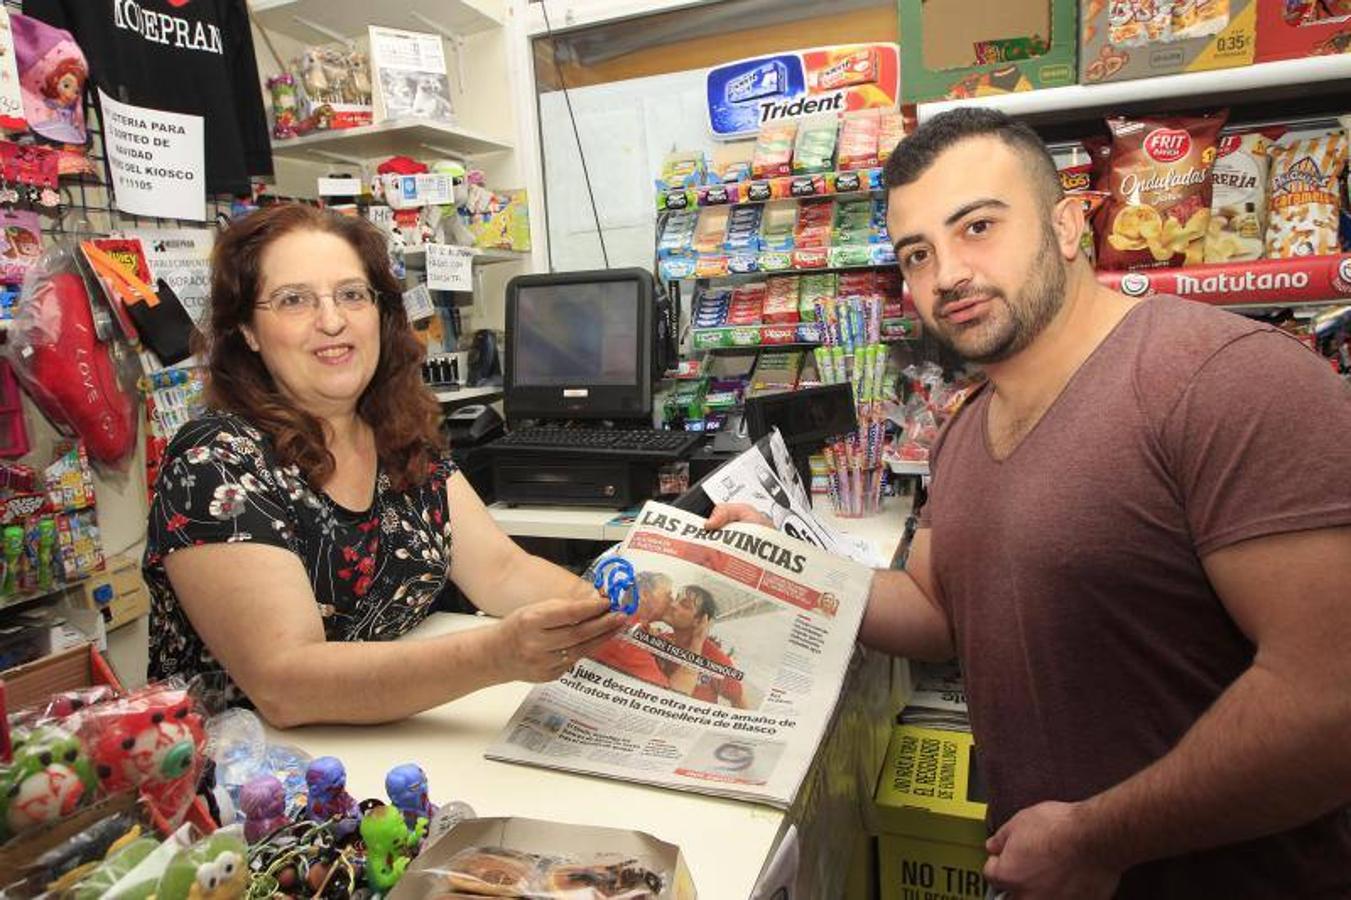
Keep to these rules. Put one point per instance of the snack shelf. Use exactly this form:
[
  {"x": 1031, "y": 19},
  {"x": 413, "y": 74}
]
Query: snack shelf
[
  {"x": 668, "y": 275},
  {"x": 1263, "y": 282},
  {"x": 1288, "y": 82},
  {"x": 387, "y": 139},
  {"x": 20, "y": 598},
  {"x": 794, "y": 334},
  {"x": 417, "y": 258},
  {"x": 308, "y": 21},
  {"x": 765, "y": 190}
]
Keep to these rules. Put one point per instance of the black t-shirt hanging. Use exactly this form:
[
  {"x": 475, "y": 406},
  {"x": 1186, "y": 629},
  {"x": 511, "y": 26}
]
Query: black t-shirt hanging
[{"x": 184, "y": 56}]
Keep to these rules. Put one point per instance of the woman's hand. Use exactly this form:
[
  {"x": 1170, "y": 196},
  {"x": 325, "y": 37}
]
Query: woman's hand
[
  {"x": 727, "y": 513},
  {"x": 541, "y": 641}
]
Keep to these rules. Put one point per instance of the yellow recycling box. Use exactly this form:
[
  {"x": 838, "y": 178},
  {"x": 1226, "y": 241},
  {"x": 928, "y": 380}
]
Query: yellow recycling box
[{"x": 931, "y": 818}]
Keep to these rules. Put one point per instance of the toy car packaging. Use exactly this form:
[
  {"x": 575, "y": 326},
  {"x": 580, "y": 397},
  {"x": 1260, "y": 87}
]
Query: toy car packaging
[{"x": 1160, "y": 183}]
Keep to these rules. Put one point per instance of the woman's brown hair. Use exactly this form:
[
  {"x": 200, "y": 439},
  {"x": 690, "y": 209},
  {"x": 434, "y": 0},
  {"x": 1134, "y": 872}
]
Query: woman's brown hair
[{"x": 395, "y": 404}]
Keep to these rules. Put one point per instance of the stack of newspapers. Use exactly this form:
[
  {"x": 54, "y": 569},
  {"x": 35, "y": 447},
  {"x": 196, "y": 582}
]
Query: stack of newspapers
[{"x": 939, "y": 699}]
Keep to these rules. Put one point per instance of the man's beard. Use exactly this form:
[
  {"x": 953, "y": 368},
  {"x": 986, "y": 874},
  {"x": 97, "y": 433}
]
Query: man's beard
[{"x": 1007, "y": 327}]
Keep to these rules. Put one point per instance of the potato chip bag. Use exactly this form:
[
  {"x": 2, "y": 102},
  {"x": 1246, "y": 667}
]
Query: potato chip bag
[
  {"x": 1238, "y": 206},
  {"x": 1159, "y": 210}
]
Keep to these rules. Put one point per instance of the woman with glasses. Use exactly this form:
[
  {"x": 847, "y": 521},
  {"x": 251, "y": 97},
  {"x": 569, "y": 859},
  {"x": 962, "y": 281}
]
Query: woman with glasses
[{"x": 312, "y": 514}]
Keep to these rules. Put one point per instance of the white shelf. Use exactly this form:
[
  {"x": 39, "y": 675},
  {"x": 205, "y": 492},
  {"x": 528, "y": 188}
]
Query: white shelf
[
  {"x": 461, "y": 394},
  {"x": 1287, "y": 79},
  {"x": 570, "y": 522},
  {"x": 349, "y": 18},
  {"x": 907, "y": 467},
  {"x": 883, "y": 530},
  {"x": 417, "y": 258},
  {"x": 399, "y": 136}
]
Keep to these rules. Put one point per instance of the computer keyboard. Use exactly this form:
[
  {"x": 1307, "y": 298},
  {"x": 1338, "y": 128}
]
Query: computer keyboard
[{"x": 648, "y": 443}]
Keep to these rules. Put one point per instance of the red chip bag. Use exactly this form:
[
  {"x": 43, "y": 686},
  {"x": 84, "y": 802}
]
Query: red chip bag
[{"x": 1159, "y": 181}]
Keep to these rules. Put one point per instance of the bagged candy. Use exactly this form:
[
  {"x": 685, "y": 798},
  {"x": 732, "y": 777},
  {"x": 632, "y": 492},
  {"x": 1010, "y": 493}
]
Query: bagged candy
[{"x": 1306, "y": 196}]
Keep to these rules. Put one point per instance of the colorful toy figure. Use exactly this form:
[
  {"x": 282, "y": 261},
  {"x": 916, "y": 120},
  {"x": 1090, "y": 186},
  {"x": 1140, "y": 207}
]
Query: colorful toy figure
[
  {"x": 263, "y": 802},
  {"x": 407, "y": 789},
  {"x": 326, "y": 780},
  {"x": 152, "y": 741},
  {"x": 214, "y": 868},
  {"x": 389, "y": 846},
  {"x": 50, "y": 777}
]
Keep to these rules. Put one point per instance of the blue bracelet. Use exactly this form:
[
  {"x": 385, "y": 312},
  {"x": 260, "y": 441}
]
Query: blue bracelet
[{"x": 614, "y": 576}]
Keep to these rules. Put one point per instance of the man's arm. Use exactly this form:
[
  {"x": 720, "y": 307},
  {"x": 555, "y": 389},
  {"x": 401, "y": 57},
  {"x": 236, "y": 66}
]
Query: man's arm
[
  {"x": 904, "y": 617},
  {"x": 1269, "y": 755}
]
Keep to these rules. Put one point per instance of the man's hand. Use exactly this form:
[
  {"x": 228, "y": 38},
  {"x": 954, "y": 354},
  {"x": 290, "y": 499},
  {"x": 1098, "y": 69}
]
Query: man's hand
[
  {"x": 727, "y": 513},
  {"x": 1038, "y": 854}
]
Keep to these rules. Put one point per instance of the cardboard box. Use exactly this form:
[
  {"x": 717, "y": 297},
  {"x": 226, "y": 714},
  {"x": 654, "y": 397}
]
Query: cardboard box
[
  {"x": 1278, "y": 38},
  {"x": 1014, "y": 45},
  {"x": 1117, "y": 43},
  {"x": 424, "y": 877},
  {"x": 118, "y": 592},
  {"x": 930, "y": 817}
]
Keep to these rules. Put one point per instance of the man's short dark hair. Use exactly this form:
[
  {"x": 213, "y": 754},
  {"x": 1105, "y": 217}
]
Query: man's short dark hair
[
  {"x": 918, "y": 150},
  {"x": 707, "y": 606}
]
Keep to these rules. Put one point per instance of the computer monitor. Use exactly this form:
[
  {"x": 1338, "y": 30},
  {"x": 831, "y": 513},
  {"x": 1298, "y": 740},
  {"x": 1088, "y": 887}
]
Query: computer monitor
[{"x": 579, "y": 345}]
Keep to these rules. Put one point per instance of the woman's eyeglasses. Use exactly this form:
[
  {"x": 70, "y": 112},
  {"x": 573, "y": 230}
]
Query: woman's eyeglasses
[{"x": 301, "y": 301}]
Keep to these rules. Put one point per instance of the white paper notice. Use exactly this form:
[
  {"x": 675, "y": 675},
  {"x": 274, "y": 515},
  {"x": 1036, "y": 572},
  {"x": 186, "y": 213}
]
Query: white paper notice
[
  {"x": 450, "y": 268},
  {"x": 156, "y": 161}
]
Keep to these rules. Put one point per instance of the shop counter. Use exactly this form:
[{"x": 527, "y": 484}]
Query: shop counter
[{"x": 727, "y": 843}]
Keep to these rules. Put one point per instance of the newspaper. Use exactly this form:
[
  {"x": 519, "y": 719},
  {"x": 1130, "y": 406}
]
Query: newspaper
[
  {"x": 939, "y": 698},
  {"x": 765, "y": 478},
  {"x": 726, "y": 679}
]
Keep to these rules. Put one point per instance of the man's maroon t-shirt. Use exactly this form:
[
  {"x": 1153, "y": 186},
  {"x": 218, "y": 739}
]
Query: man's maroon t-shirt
[{"x": 1071, "y": 570}]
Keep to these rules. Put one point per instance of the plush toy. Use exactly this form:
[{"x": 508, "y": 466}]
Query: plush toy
[
  {"x": 50, "y": 777},
  {"x": 263, "y": 802},
  {"x": 214, "y": 868},
  {"x": 407, "y": 789},
  {"x": 389, "y": 846},
  {"x": 152, "y": 741}
]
